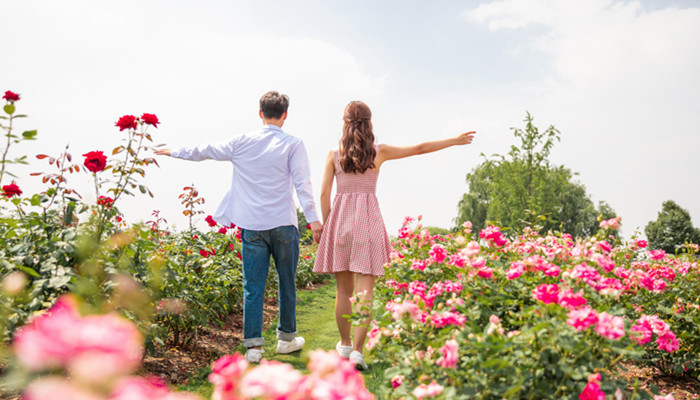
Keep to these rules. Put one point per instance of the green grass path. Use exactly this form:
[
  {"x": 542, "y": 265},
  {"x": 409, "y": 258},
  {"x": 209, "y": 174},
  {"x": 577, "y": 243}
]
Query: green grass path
[{"x": 316, "y": 324}]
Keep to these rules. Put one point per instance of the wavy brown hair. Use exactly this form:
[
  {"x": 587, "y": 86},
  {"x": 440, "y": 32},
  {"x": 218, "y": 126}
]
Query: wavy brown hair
[{"x": 357, "y": 151}]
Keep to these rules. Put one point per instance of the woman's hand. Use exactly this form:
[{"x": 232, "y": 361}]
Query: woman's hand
[
  {"x": 465, "y": 138},
  {"x": 162, "y": 152}
]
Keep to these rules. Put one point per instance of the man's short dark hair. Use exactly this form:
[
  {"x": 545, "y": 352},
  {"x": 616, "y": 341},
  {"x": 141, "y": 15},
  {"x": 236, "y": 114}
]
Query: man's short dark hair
[{"x": 273, "y": 104}]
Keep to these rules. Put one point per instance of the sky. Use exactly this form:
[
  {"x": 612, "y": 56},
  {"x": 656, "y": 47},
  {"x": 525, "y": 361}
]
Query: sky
[{"x": 619, "y": 79}]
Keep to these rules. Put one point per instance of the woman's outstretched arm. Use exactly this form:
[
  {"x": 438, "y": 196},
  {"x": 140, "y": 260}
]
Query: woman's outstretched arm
[{"x": 387, "y": 152}]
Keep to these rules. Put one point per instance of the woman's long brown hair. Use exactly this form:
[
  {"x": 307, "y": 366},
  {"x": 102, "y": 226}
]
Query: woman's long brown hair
[{"x": 357, "y": 150}]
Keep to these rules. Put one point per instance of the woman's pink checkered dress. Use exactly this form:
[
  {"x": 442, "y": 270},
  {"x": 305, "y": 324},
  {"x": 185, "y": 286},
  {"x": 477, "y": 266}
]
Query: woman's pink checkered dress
[{"x": 354, "y": 236}]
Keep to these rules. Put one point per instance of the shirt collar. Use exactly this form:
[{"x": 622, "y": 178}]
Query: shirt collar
[{"x": 272, "y": 127}]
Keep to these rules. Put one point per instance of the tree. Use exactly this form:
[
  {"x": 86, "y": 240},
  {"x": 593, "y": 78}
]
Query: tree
[
  {"x": 671, "y": 229},
  {"x": 523, "y": 188}
]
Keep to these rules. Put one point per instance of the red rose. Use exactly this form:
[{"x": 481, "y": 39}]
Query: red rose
[
  {"x": 95, "y": 161},
  {"x": 308, "y": 226},
  {"x": 10, "y": 96},
  {"x": 11, "y": 190},
  {"x": 150, "y": 119},
  {"x": 105, "y": 201},
  {"x": 126, "y": 122},
  {"x": 222, "y": 230},
  {"x": 210, "y": 220},
  {"x": 204, "y": 253}
]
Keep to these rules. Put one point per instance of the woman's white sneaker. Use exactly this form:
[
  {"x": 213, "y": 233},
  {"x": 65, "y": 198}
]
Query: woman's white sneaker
[
  {"x": 358, "y": 359},
  {"x": 344, "y": 351}
]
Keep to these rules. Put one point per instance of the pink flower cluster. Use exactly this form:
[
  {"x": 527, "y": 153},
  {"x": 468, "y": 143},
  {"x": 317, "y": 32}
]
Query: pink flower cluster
[
  {"x": 592, "y": 390},
  {"x": 450, "y": 354},
  {"x": 62, "y": 338},
  {"x": 331, "y": 377},
  {"x": 648, "y": 325},
  {"x": 613, "y": 223},
  {"x": 431, "y": 390},
  {"x": 493, "y": 235},
  {"x": 97, "y": 351}
]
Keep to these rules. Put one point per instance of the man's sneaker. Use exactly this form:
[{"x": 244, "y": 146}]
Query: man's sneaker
[
  {"x": 254, "y": 355},
  {"x": 344, "y": 351},
  {"x": 358, "y": 359},
  {"x": 284, "y": 347}
]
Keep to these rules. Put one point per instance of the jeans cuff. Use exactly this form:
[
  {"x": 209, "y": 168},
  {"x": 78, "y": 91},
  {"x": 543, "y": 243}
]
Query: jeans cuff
[
  {"x": 253, "y": 342},
  {"x": 287, "y": 337}
]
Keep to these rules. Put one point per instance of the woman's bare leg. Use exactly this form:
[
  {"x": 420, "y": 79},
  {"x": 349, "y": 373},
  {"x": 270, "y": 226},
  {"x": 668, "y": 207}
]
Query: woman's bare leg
[
  {"x": 345, "y": 282},
  {"x": 364, "y": 288}
]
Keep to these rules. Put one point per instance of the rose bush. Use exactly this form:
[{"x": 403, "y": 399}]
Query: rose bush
[{"x": 467, "y": 316}]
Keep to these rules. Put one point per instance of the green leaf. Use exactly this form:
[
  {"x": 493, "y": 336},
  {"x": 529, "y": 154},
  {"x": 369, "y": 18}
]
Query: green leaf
[
  {"x": 35, "y": 200},
  {"x": 28, "y": 271},
  {"x": 142, "y": 189},
  {"x": 59, "y": 281},
  {"x": 9, "y": 109},
  {"x": 68, "y": 216},
  {"x": 29, "y": 135}
]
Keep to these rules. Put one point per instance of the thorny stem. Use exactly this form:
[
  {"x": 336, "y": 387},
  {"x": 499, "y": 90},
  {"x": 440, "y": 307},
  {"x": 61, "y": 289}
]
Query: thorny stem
[
  {"x": 127, "y": 175},
  {"x": 7, "y": 148}
]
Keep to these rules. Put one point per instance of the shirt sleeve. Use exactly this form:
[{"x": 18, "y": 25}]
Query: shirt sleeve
[
  {"x": 219, "y": 152},
  {"x": 301, "y": 175}
]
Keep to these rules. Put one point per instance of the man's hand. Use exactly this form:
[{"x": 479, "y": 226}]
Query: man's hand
[
  {"x": 162, "y": 152},
  {"x": 316, "y": 228}
]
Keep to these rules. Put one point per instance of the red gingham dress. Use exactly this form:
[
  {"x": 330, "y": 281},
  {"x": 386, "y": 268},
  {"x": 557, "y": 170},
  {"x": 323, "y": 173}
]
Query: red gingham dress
[{"x": 354, "y": 236}]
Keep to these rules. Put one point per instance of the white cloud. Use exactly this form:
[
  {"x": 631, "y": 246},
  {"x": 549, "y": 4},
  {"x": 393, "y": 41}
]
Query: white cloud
[
  {"x": 620, "y": 82},
  {"x": 90, "y": 64}
]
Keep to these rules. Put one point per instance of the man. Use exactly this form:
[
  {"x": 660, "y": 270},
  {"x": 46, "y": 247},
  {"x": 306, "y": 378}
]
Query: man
[{"x": 267, "y": 165}]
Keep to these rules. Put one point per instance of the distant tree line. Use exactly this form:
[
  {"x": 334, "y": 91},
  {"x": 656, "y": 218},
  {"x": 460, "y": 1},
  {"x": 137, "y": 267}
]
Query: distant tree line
[{"x": 524, "y": 188}]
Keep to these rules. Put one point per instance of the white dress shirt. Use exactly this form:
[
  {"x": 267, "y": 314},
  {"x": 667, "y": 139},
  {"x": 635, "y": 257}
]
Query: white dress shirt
[{"x": 268, "y": 165}]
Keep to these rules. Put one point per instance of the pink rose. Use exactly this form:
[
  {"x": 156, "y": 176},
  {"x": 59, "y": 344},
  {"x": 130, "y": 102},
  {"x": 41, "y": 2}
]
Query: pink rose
[
  {"x": 397, "y": 380},
  {"x": 610, "y": 326},
  {"x": 546, "y": 293},
  {"x": 592, "y": 392},
  {"x": 431, "y": 390},
  {"x": 516, "y": 269},
  {"x": 450, "y": 354},
  {"x": 582, "y": 318},
  {"x": 63, "y": 338},
  {"x": 437, "y": 252},
  {"x": 667, "y": 342},
  {"x": 270, "y": 379},
  {"x": 571, "y": 300}
]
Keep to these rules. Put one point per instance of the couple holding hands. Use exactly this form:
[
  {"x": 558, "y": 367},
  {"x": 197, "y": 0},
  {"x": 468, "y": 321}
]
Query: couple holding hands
[{"x": 268, "y": 165}]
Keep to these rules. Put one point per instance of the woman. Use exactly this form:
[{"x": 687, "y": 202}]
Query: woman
[{"x": 354, "y": 244}]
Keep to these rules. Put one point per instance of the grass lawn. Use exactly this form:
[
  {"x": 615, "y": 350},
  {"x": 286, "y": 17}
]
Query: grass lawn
[{"x": 316, "y": 324}]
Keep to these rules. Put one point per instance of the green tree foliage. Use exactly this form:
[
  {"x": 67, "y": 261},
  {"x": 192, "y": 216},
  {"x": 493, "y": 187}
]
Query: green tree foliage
[
  {"x": 671, "y": 229},
  {"x": 523, "y": 188}
]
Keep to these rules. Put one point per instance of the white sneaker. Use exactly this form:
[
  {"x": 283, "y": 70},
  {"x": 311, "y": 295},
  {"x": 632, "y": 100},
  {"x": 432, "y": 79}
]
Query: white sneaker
[
  {"x": 358, "y": 359},
  {"x": 344, "y": 351},
  {"x": 254, "y": 355},
  {"x": 284, "y": 347}
]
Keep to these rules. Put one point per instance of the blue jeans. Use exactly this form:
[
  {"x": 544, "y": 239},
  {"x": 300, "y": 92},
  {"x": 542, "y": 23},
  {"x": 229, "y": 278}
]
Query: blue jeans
[{"x": 282, "y": 243}]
